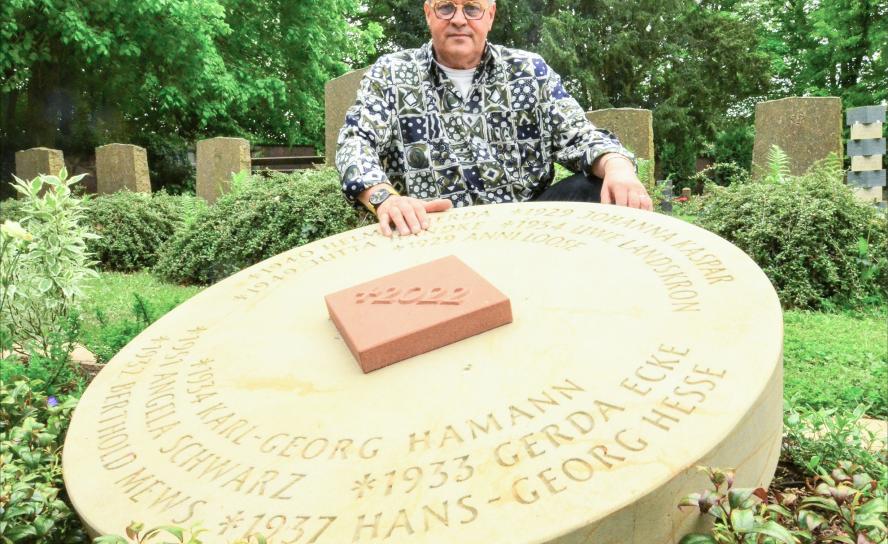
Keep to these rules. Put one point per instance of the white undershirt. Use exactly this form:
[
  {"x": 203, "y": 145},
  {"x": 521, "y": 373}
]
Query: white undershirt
[{"x": 462, "y": 79}]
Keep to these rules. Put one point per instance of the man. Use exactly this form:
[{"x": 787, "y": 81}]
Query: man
[{"x": 460, "y": 121}]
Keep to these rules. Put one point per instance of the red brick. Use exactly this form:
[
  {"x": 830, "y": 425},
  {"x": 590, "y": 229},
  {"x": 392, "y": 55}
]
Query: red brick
[{"x": 416, "y": 310}]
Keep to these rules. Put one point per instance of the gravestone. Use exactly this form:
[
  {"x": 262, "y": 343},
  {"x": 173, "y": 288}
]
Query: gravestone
[
  {"x": 641, "y": 347},
  {"x": 339, "y": 95},
  {"x": 30, "y": 163},
  {"x": 806, "y": 129},
  {"x": 217, "y": 160},
  {"x": 866, "y": 149},
  {"x": 122, "y": 166},
  {"x": 634, "y": 127}
]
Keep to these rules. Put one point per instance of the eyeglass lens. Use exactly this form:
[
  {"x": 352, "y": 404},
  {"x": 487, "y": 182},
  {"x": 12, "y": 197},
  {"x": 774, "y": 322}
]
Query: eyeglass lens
[{"x": 471, "y": 10}]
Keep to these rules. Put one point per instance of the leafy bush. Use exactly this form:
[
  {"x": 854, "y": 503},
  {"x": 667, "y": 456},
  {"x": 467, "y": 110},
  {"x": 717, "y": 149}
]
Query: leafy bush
[
  {"x": 816, "y": 439},
  {"x": 32, "y": 431},
  {"x": 133, "y": 226},
  {"x": 805, "y": 233},
  {"x": 44, "y": 262},
  {"x": 844, "y": 505},
  {"x": 11, "y": 209},
  {"x": 259, "y": 218}
]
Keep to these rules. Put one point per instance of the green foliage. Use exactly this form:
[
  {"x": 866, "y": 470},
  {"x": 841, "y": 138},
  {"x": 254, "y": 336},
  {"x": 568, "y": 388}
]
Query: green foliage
[
  {"x": 133, "y": 226},
  {"x": 113, "y": 315},
  {"x": 844, "y": 505},
  {"x": 76, "y": 74},
  {"x": 32, "y": 431},
  {"x": 733, "y": 143},
  {"x": 825, "y": 47},
  {"x": 817, "y": 439},
  {"x": 44, "y": 262},
  {"x": 837, "y": 360},
  {"x": 805, "y": 233},
  {"x": 11, "y": 209},
  {"x": 721, "y": 174},
  {"x": 137, "y": 534},
  {"x": 257, "y": 220},
  {"x": 114, "y": 335}
]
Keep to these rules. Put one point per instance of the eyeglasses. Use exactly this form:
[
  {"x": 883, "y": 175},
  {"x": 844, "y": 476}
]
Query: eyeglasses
[{"x": 446, "y": 10}]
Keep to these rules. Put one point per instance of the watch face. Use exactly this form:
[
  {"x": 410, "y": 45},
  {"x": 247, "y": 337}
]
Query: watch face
[{"x": 379, "y": 196}]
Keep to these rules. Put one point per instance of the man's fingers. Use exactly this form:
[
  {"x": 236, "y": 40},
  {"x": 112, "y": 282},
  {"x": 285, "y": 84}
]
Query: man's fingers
[
  {"x": 398, "y": 220},
  {"x": 421, "y": 215},
  {"x": 410, "y": 218},
  {"x": 621, "y": 196},
  {"x": 606, "y": 195},
  {"x": 634, "y": 200},
  {"x": 439, "y": 205},
  {"x": 647, "y": 203},
  {"x": 384, "y": 228}
]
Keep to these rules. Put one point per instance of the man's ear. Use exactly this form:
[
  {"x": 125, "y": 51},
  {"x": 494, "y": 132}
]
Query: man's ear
[{"x": 492, "y": 11}]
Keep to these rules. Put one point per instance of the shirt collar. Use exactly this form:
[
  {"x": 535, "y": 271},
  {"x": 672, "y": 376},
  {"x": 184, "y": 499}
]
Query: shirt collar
[{"x": 487, "y": 65}]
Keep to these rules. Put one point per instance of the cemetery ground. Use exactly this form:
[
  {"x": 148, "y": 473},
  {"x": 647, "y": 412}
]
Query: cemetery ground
[{"x": 835, "y": 356}]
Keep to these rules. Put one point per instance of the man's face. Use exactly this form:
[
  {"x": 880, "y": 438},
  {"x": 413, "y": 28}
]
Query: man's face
[{"x": 459, "y": 41}]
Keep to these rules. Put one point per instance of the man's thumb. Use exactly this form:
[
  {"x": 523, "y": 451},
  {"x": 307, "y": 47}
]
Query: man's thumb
[{"x": 439, "y": 205}]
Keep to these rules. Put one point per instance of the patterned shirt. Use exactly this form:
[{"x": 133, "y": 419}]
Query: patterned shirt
[{"x": 410, "y": 127}]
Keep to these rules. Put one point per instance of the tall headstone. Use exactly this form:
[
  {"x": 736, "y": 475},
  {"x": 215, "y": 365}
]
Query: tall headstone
[
  {"x": 339, "y": 96},
  {"x": 866, "y": 149},
  {"x": 30, "y": 163},
  {"x": 806, "y": 129},
  {"x": 217, "y": 160},
  {"x": 245, "y": 410},
  {"x": 634, "y": 127},
  {"x": 122, "y": 166}
]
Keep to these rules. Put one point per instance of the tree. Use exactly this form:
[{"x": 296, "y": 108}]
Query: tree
[
  {"x": 160, "y": 73},
  {"x": 826, "y": 47}
]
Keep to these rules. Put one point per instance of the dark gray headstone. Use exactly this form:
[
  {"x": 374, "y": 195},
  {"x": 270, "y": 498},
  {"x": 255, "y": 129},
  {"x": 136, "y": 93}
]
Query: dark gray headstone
[
  {"x": 866, "y": 147},
  {"x": 872, "y": 178},
  {"x": 865, "y": 114}
]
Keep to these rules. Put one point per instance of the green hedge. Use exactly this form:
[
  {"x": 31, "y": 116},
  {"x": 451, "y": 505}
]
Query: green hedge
[
  {"x": 133, "y": 226},
  {"x": 259, "y": 218},
  {"x": 817, "y": 243}
]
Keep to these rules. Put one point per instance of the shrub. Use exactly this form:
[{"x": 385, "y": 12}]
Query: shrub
[
  {"x": 32, "y": 431},
  {"x": 44, "y": 263},
  {"x": 114, "y": 335},
  {"x": 844, "y": 505},
  {"x": 805, "y": 232},
  {"x": 815, "y": 440},
  {"x": 133, "y": 226},
  {"x": 11, "y": 209},
  {"x": 259, "y": 218}
]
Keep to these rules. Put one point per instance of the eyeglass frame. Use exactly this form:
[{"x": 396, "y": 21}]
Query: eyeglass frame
[{"x": 434, "y": 4}]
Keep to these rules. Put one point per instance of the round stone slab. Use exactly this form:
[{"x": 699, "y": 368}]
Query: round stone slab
[{"x": 641, "y": 347}]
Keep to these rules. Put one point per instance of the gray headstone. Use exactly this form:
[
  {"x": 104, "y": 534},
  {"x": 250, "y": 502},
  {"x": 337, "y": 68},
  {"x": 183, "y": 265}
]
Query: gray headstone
[
  {"x": 806, "y": 129},
  {"x": 865, "y": 114},
  {"x": 866, "y": 147},
  {"x": 872, "y": 178},
  {"x": 217, "y": 160},
  {"x": 30, "y": 163},
  {"x": 122, "y": 166},
  {"x": 634, "y": 127},
  {"x": 339, "y": 96}
]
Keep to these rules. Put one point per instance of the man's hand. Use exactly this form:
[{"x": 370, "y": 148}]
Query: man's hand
[
  {"x": 408, "y": 214},
  {"x": 621, "y": 185}
]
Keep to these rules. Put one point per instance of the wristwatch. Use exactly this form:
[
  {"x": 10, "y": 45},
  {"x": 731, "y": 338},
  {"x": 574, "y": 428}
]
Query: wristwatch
[{"x": 379, "y": 196}]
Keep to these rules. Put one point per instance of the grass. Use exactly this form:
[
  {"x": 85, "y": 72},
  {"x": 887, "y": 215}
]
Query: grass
[
  {"x": 119, "y": 306},
  {"x": 837, "y": 360}
]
